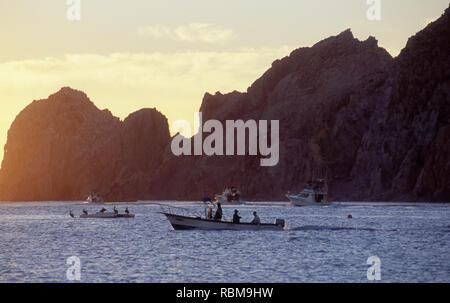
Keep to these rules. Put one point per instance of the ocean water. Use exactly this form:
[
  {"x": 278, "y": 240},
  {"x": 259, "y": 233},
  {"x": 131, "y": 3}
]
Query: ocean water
[{"x": 321, "y": 244}]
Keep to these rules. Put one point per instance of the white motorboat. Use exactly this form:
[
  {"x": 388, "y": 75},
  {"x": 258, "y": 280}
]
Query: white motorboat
[
  {"x": 181, "y": 221},
  {"x": 230, "y": 196},
  {"x": 315, "y": 193}
]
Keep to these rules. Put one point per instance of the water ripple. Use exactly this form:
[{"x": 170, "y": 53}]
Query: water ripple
[{"x": 320, "y": 245}]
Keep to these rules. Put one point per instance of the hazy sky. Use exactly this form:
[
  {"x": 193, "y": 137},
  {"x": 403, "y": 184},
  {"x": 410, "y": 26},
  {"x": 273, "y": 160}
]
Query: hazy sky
[{"x": 132, "y": 54}]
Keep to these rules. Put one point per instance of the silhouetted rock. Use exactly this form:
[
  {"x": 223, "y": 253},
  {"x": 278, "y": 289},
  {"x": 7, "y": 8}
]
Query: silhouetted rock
[
  {"x": 322, "y": 96},
  {"x": 375, "y": 126},
  {"x": 407, "y": 147},
  {"x": 62, "y": 147},
  {"x": 144, "y": 134}
]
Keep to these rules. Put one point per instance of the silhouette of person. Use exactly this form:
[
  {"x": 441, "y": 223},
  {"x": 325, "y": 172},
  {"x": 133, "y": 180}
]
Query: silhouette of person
[
  {"x": 219, "y": 213},
  {"x": 256, "y": 219},
  {"x": 236, "y": 217}
]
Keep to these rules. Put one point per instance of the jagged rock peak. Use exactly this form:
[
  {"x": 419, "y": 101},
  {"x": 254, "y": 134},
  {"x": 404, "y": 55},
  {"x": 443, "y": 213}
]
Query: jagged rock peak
[
  {"x": 145, "y": 112},
  {"x": 435, "y": 33},
  {"x": 346, "y": 41},
  {"x": 68, "y": 91},
  {"x": 69, "y": 94},
  {"x": 71, "y": 99}
]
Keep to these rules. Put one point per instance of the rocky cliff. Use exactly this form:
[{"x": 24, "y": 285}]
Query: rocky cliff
[
  {"x": 406, "y": 149},
  {"x": 377, "y": 127},
  {"x": 323, "y": 97},
  {"x": 62, "y": 147}
]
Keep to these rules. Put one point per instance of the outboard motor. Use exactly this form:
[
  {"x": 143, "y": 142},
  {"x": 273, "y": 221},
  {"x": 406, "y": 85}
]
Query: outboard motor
[{"x": 279, "y": 222}]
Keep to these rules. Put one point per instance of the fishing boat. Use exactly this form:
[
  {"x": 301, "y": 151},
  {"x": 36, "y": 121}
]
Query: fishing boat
[
  {"x": 315, "y": 193},
  {"x": 183, "y": 219}
]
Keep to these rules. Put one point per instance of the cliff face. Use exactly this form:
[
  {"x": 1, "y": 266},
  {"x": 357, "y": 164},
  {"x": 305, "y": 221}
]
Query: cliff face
[
  {"x": 144, "y": 135},
  {"x": 375, "y": 126},
  {"x": 323, "y": 97},
  {"x": 408, "y": 144},
  {"x": 62, "y": 147}
]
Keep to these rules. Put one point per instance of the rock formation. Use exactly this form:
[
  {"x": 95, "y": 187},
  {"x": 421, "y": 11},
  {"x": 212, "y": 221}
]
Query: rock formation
[
  {"x": 322, "y": 111},
  {"x": 377, "y": 127},
  {"x": 407, "y": 147},
  {"x": 63, "y": 147}
]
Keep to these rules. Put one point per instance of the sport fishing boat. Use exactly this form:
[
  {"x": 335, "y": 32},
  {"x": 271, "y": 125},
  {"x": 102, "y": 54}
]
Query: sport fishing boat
[
  {"x": 230, "y": 196},
  {"x": 315, "y": 193},
  {"x": 183, "y": 219}
]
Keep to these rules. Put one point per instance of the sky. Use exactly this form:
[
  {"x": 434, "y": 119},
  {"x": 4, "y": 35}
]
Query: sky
[{"x": 128, "y": 55}]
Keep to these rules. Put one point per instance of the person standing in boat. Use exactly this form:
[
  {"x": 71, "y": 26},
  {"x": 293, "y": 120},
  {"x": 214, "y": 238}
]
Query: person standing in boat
[
  {"x": 219, "y": 213},
  {"x": 256, "y": 219},
  {"x": 236, "y": 217}
]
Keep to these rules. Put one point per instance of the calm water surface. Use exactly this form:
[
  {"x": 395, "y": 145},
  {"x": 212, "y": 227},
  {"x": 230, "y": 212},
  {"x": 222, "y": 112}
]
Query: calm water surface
[{"x": 321, "y": 245}]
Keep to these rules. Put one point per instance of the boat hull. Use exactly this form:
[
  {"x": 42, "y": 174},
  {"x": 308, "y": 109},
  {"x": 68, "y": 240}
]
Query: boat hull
[
  {"x": 106, "y": 216},
  {"x": 188, "y": 223},
  {"x": 224, "y": 200},
  {"x": 298, "y": 201}
]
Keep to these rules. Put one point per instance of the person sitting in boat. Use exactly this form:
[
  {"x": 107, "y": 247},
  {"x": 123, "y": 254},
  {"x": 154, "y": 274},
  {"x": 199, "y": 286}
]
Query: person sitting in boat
[
  {"x": 209, "y": 213},
  {"x": 256, "y": 219},
  {"x": 236, "y": 217},
  {"x": 219, "y": 213},
  {"x": 85, "y": 211},
  {"x": 102, "y": 210},
  {"x": 115, "y": 210},
  {"x": 71, "y": 214},
  {"x": 127, "y": 211}
]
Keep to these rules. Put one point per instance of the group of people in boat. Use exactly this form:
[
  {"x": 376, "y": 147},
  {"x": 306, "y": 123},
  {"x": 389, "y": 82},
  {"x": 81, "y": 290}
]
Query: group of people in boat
[{"x": 236, "y": 218}]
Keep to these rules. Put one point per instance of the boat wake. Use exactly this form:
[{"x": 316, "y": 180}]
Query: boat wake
[
  {"x": 333, "y": 228},
  {"x": 337, "y": 228}
]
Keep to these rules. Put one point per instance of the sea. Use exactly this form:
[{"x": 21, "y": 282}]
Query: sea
[{"x": 382, "y": 242}]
